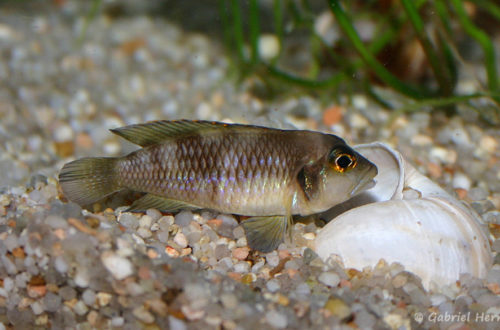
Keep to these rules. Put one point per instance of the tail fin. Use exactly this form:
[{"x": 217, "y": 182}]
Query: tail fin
[{"x": 87, "y": 180}]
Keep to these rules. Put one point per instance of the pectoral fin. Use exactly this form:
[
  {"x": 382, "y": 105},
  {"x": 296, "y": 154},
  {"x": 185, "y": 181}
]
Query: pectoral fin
[
  {"x": 266, "y": 233},
  {"x": 151, "y": 201}
]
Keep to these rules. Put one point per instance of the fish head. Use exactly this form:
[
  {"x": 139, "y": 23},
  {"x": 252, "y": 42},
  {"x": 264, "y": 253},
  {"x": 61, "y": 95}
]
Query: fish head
[{"x": 338, "y": 176}]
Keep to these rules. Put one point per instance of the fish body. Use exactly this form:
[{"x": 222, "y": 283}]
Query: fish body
[{"x": 266, "y": 173}]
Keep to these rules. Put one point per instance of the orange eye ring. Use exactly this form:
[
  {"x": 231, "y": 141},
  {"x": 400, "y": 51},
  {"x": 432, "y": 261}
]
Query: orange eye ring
[{"x": 342, "y": 162}]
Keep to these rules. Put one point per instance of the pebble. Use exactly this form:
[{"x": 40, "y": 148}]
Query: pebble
[
  {"x": 67, "y": 293},
  {"x": 269, "y": 46},
  {"x": 8, "y": 284},
  {"x": 241, "y": 253},
  {"x": 488, "y": 143},
  {"x": 272, "y": 259},
  {"x": 63, "y": 133},
  {"x": 143, "y": 314},
  {"x": 396, "y": 321},
  {"x": 82, "y": 278},
  {"x": 11, "y": 242},
  {"x": 365, "y": 320},
  {"x": 330, "y": 279},
  {"x": 103, "y": 298},
  {"x": 154, "y": 214},
  {"x": 80, "y": 308},
  {"x": 332, "y": 115},
  {"x": 144, "y": 233},
  {"x": 461, "y": 181},
  {"x": 184, "y": 218},
  {"x": 51, "y": 302},
  {"x": 176, "y": 324},
  {"x": 273, "y": 285},
  {"x": 56, "y": 221},
  {"x": 357, "y": 121},
  {"x": 128, "y": 220},
  {"x": 181, "y": 240},
  {"x": 89, "y": 297},
  {"x": 241, "y": 267},
  {"x": 229, "y": 300},
  {"x": 119, "y": 267},
  {"x": 477, "y": 194},
  {"x": 276, "y": 320},
  {"x": 238, "y": 232},
  {"x": 37, "y": 308},
  {"x": 145, "y": 221},
  {"x": 338, "y": 308},
  {"x": 399, "y": 280},
  {"x": 117, "y": 321},
  {"x": 303, "y": 290}
]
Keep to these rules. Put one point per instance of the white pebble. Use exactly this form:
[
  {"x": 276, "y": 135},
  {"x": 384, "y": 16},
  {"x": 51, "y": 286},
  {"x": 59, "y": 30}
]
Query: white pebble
[
  {"x": 437, "y": 299},
  {"x": 357, "y": 121},
  {"x": 60, "y": 265},
  {"x": 144, "y": 232},
  {"x": 438, "y": 154},
  {"x": 176, "y": 324},
  {"x": 273, "y": 259},
  {"x": 8, "y": 284},
  {"x": 229, "y": 300},
  {"x": 117, "y": 321},
  {"x": 461, "y": 181},
  {"x": 360, "y": 102},
  {"x": 181, "y": 240},
  {"x": 37, "y": 308},
  {"x": 329, "y": 278},
  {"x": 269, "y": 46},
  {"x": 204, "y": 110},
  {"x": 112, "y": 148},
  {"x": 82, "y": 278},
  {"x": 323, "y": 25},
  {"x": 145, "y": 221},
  {"x": 88, "y": 297},
  {"x": 80, "y": 308},
  {"x": 6, "y": 32},
  {"x": 154, "y": 214},
  {"x": 273, "y": 285},
  {"x": 124, "y": 248},
  {"x": 421, "y": 140},
  {"x": 303, "y": 289},
  {"x": 11, "y": 242},
  {"x": 258, "y": 265},
  {"x": 241, "y": 267},
  {"x": 118, "y": 266},
  {"x": 276, "y": 319},
  {"x": 63, "y": 133},
  {"x": 488, "y": 143}
]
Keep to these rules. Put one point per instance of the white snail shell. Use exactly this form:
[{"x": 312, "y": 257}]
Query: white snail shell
[{"x": 406, "y": 218}]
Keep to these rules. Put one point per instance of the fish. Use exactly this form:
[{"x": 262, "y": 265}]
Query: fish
[{"x": 264, "y": 173}]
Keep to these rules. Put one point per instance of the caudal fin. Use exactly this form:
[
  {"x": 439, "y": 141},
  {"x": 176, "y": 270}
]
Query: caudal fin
[{"x": 87, "y": 180}]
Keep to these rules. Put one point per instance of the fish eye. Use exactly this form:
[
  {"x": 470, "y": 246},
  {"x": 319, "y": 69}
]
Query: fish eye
[{"x": 342, "y": 160}]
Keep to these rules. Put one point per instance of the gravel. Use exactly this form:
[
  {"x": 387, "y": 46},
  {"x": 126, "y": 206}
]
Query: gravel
[{"x": 64, "y": 267}]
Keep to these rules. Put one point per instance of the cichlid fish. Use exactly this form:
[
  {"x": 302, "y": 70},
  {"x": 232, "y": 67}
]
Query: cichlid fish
[{"x": 269, "y": 174}]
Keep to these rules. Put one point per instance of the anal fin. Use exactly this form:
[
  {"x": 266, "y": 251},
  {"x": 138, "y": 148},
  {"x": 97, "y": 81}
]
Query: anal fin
[
  {"x": 266, "y": 233},
  {"x": 151, "y": 201}
]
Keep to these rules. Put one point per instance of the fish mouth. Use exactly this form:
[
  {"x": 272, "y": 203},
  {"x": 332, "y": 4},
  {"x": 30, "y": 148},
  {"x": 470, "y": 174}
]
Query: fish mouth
[{"x": 366, "y": 181}]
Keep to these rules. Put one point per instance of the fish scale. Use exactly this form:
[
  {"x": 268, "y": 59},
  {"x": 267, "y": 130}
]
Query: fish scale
[
  {"x": 265, "y": 173},
  {"x": 204, "y": 178}
]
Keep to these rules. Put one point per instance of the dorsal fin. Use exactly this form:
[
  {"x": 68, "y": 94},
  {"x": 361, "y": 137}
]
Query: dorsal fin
[{"x": 159, "y": 131}]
